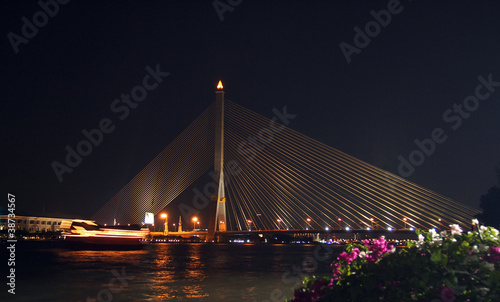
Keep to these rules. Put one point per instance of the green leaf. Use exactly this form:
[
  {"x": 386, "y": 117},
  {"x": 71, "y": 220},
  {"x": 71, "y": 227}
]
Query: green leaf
[
  {"x": 444, "y": 260},
  {"x": 436, "y": 256}
]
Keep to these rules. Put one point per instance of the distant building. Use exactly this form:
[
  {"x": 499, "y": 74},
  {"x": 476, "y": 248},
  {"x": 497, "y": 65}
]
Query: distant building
[{"x": 33, "y": 224}]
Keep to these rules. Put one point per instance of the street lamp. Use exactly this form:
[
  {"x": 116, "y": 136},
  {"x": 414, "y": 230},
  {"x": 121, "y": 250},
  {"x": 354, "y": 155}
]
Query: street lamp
[
  {"x": 309, "y": 222},
  {"x": 405, "y": 221},
  {"x": 279, "y": 223},
  {"x": 165, "y": 229},
  {"x": 371, "y": 219},
  {"x": 195, "y": 219},
  {"x": 249, "y": 224}
]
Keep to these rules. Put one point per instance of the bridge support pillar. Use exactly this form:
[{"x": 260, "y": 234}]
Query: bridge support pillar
[{"x": 217, "y": 214}]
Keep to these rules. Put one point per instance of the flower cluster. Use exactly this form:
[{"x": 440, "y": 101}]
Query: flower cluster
[{"x": 448, "y": 266}]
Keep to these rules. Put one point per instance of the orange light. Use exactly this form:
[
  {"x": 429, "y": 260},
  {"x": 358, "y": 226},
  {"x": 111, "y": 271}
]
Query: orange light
[
  {"x": 163, "y": 215},
  {"x": 308, "y": 219},
  {"x": 195, "y": 219},
  {"x": 219, "y": 86}
]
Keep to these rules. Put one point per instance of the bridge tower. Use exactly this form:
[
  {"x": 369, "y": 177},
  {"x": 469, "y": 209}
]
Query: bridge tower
[{"x": 217, "y": 214}]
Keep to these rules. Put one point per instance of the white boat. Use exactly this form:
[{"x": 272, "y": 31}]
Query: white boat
[{"x": 87, "y": 234}]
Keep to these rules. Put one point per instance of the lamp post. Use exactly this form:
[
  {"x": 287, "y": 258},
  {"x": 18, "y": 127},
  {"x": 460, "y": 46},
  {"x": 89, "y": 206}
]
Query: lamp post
[
  {"x": 195, "y": 219},
  {"x": 309, "y": 222},
  {"x": 371, "y": 219},
  {"x": 279, "y": 223},
  {"x": 249, "y": 224},
  {"x": 340, "y": 222},
  {"x": 165, "y": 229},
  {"x": 405, "y": 219}
]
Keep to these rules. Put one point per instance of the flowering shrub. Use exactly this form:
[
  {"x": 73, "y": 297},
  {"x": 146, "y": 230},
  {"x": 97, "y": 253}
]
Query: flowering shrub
[{"x": 445, "y": 267}]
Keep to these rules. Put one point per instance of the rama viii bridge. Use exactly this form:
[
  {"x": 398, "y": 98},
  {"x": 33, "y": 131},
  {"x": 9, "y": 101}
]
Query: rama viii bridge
[{"x": 267, "y": 173}]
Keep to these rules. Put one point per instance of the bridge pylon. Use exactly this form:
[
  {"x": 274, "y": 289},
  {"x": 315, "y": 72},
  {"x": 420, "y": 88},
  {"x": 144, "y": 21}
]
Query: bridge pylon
[{"x": 217, "y": 214}]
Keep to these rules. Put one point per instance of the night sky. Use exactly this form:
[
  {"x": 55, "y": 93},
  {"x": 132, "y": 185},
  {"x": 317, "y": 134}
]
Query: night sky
[{"x": 410, "y": 78}]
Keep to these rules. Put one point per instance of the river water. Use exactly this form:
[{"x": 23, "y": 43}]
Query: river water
[{"x": 47, "y": 271}]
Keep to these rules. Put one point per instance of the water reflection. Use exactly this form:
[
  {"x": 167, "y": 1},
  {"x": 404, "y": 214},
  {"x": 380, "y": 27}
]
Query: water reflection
[{"x": 169, "y": 272}]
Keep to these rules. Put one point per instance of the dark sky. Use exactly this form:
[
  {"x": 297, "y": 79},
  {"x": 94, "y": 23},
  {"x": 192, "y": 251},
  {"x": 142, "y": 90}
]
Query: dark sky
[{"x": 269, "y": 54}]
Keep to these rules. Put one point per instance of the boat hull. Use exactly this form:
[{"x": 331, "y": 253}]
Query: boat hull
[{"x": 97, "y": 242}]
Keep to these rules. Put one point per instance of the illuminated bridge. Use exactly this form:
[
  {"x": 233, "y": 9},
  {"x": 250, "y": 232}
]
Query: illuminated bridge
[{"x": 267, "y": 173}]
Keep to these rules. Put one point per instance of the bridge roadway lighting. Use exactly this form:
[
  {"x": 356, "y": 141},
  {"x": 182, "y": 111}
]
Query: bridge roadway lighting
[
  {"x": 195, "y": 219},
  {"x": 309, "y": 222},
  {"x": 404, "y": 219},
  {"x": 371, "y": 219},
  {"x": 249, "y": 224},
  {"x": 279, "y": 223}
]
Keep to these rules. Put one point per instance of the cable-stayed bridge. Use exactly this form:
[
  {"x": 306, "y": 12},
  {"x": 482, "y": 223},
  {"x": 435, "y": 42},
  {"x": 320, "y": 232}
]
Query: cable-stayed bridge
[{"x": 267, "y": 173}]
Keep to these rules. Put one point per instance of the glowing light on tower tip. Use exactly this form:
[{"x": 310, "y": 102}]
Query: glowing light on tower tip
[{"x": 219, "y": 86}]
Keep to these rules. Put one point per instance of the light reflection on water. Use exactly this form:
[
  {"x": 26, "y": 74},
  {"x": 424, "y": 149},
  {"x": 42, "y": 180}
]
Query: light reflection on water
[{"x": 165, "y": 272}]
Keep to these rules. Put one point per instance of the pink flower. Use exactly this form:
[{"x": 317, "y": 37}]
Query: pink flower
[
  {"x": 494, "y": 254},
  {"x": 349, "y": 257},
  {"x": 447, "y": 294},
  {"x": 336, "y": 270},
  {"x": 378, "y": 249}
]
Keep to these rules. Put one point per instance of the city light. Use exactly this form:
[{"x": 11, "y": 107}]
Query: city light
[{"x": 195, "y": 219}]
